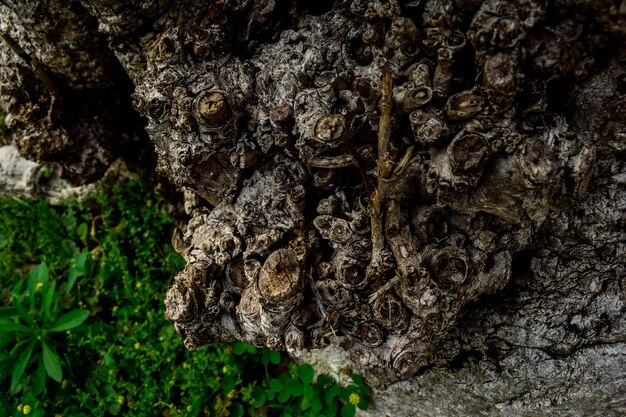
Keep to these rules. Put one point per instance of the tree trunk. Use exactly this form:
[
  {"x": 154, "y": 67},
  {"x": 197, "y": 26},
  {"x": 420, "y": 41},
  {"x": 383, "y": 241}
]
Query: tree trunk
[{"x": 435, "y": 188}]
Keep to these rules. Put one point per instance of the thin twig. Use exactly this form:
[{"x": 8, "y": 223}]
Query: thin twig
[
  {"x": 56, "y": 96},
  {"x": 384, "y": 289},
  {"x": 385, "y": 168}
]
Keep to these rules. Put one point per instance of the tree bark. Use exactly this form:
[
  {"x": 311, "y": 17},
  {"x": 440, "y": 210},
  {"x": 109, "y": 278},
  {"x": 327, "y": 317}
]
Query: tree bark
[{"x": 435, "y": 188}]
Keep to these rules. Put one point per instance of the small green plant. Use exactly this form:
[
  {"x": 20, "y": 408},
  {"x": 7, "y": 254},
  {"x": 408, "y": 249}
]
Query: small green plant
[
  {"x": 289, "y": 390},
  {"x": 108, "y": 257},
  {"x": 31, "y": 325}
]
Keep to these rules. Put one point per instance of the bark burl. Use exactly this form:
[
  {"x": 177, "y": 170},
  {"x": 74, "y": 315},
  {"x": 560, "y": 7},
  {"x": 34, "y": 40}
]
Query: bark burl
[{"x": 435, "y": 187}]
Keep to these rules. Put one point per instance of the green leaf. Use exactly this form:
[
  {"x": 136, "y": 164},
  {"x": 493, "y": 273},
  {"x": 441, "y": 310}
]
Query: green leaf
[
  {"x": 39, "y": 274},
  {"x": 313, "y": 413},
  {"x": 71, "y": 280},
  {"x": 47, "y": 301},
  {"x": 293, "y": 387},
  {"x": 40, "y": 379},
  {"x": 70, "y": 320},
  {"x": 20, "y": 366},
  {"x": 8, "y": 312},
  {"x": 6, "y": 363},
  {"x": 115, "y": 408},
  {"x": 22, "y": 310},
  {"x": 52, "y": 363},
  {"x": 331, "y": 394},
  {"x": 325, "y": 380},
  {"x": 270, "y": 395},
  {"x": 83, "y": 262},
  {"x": 276, "y": 385},
  {"x": 346, "y": 391},
  {"x": 259, "y": 396},
  {"x": 348, "y": 410},
  {"x": 305, "y": 372},
  {"x": 358, "y": 379},
  {"x": 317, "y": 405},
  {"x": 308, "y": 391},
  {"x": 229, "y": 384},
  {"x": 9, "y": 326},
  {"x": 82, "y": 231},
  {"x": 6, "y": 338},
  {"x": 265, "y": 357},
  {"x": 237, "y": 410},
  {"x": 363, "y": 405},
  {"x": 305, "y": 404},
  {"x": 239, "y": 347},
  {"x": 275, "y": 357},
  {"x": 283, "y": 397}
]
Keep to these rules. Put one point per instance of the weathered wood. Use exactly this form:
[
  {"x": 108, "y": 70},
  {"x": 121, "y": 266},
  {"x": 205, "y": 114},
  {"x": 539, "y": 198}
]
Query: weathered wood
[{"x": 497, "y": 223}]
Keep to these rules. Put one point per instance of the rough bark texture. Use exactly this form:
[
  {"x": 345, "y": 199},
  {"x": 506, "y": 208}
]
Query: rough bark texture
[{"x": 436, "y": 187}]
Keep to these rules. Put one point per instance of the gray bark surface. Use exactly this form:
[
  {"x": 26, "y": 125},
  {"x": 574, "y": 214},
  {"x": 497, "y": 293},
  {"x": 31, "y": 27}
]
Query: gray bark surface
[{"x": 436, "y": 188}]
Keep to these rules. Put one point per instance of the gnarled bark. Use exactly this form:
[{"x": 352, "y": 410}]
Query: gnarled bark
[{"x": 437, "y": 187}]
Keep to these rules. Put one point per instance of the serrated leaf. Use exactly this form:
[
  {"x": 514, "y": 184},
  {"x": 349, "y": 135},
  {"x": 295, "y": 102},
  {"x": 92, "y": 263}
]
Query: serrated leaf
[
  {"x": 305, "y": 372},
  {"x": 70, "y": 320},
  {"x": 20, "y": 366},
  {"x": 52, "y": 363},
  {"x": 348, "y": 410}
]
